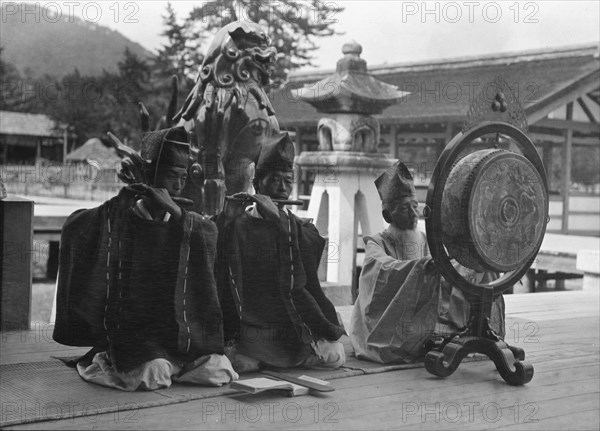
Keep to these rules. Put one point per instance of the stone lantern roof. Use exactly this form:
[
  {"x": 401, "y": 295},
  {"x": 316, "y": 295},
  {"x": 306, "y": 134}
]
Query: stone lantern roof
[{"x": 351, "y": 89}]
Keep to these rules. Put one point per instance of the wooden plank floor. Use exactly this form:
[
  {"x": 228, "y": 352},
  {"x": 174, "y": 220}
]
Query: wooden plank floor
[{"x": 558, "y": 330}]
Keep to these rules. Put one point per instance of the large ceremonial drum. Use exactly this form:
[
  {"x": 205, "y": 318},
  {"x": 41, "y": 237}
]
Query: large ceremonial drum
[{"x": 494, "y": 210}]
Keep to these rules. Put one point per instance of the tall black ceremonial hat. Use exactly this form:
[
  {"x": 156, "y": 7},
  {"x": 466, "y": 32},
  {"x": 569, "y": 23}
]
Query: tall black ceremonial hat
[
  {"x": 395, "y": 183},
  {"x": 166, "y": 147},
  {"x": 276, "y": 154}
]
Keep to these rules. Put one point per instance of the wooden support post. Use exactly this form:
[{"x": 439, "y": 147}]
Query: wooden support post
[
  {"x": 566, "y": 177},
  {"x": 449, "y": 133},
  {"x": 38, "y": 150},
  {"x": 65, "y": 136},
  {"x": 547, "y": 159},
  {"x": 5, "y": 153},
  {"x": 16, "y": 232},
  {"x": 393, "y": 144}
]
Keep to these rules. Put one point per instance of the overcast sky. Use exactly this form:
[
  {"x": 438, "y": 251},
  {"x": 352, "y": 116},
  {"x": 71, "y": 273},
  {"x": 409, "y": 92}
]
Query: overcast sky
[{"x": 398, "y": 31}]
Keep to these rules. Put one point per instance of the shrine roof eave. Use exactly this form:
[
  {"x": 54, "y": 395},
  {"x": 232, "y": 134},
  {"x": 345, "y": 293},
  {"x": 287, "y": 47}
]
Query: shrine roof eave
[{"x": 352, "y": 88}]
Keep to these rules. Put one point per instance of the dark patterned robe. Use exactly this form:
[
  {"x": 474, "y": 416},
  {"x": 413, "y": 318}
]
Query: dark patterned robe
[
  {"x": 141, "y": 289},
  {"x": 273, "y": 304}
]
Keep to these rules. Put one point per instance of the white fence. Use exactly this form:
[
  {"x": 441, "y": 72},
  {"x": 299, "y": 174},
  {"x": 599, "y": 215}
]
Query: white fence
[{"x": 69, "y": 180}]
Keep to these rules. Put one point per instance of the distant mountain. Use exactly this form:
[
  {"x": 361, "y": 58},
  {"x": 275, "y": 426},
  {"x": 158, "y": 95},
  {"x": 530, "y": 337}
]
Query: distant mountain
[{"x": 58, "y": 47}]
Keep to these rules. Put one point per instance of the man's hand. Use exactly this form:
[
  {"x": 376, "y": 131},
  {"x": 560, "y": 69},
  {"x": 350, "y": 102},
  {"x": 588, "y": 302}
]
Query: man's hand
[
  {"x": 236, "y": 207},
  {"x": 266, "y": 207},
  {"x": 157, "y": 198},
  {"x": 162, "y": 199}
]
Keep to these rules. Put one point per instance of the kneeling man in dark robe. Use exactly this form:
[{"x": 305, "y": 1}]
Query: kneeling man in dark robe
[
  {"x": 136, "y": 282},
  {"x": 402, "y": 300},
  {"x": 275, "y": 311}
]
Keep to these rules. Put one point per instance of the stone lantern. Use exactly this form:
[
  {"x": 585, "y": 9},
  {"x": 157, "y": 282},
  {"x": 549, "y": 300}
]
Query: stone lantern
[{"x": 344, "y": 195}]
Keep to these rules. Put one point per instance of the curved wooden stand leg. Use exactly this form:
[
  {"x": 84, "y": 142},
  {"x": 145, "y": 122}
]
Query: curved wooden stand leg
[
  {"x": 518, "y": 352},
  {"x": 506, "y": 358},
  {"x": 444, "y": 363},
  {"x": 502, "y": 355}
]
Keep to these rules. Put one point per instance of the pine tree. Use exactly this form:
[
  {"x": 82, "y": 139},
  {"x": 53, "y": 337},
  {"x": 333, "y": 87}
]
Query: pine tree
[
  {"x": 131, "y": 85},
  {"x": 181, "y": 55},
  {"x": 77, "y": 105},
  {"x": 11, "y": 82}
]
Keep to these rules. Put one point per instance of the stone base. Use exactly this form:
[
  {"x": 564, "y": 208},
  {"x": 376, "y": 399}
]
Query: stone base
[
  {"x": 344, "y": 203},
  {"x": 338, "y": 294}
]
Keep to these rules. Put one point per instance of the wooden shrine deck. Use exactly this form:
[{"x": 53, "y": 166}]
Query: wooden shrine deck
[{"x": 558, "y": 330}]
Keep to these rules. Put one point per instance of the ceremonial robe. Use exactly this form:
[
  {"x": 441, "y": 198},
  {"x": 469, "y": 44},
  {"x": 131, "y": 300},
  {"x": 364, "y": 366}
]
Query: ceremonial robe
[
  {"x": 402, "y": 301},
  {"x": 273, "y": 305},
  {"x": 140, "y": 289}
]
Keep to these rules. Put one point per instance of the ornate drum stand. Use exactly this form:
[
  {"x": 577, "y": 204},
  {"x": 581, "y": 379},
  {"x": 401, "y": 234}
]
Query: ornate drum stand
[{"x": 486, "y": 210}]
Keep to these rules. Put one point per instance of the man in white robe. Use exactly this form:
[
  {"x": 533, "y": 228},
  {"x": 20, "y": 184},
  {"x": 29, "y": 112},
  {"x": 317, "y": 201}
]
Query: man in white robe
[{"x": 402, "y": 300}]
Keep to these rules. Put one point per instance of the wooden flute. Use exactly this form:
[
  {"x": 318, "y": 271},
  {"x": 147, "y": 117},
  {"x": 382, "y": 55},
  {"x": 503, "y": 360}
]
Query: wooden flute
[{"x": 277, "y": 201}]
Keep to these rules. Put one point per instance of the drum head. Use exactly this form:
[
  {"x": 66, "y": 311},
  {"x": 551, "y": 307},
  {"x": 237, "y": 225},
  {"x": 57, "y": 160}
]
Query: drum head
[{"x": 493, "y": 210}]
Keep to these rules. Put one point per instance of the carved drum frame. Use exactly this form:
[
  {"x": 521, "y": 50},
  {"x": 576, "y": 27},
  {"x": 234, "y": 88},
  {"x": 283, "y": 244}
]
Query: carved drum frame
[{"x": 433, "y": 220}]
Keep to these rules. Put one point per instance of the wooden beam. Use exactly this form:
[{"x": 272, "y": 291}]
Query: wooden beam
[
  {"x": 587, "y": 110},
  {"x": 568, "y": 155},
  {"x": 556, "y": 100},
  {"x": 576, "y": 126},
  {"x": 595, "y": 96},
  {"x": 560, "y": 139}
]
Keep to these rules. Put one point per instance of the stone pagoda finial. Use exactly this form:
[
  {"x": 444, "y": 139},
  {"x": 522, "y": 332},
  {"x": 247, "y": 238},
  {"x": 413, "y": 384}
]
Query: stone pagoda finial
[{"x": 351, "y": 61}]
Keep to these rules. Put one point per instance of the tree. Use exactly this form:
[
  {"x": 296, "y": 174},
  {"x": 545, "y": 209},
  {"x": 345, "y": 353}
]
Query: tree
[
  {"x": 294, "y": 27},
  {"x": 24, "y": 92},
  {"x": 133, "y": 69},
  {"x": 11, "y": 85},
  {"x": 122, "y": 92},
  {"x": 79, "y": 103},
  {"x": 181, "y": 55}
]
